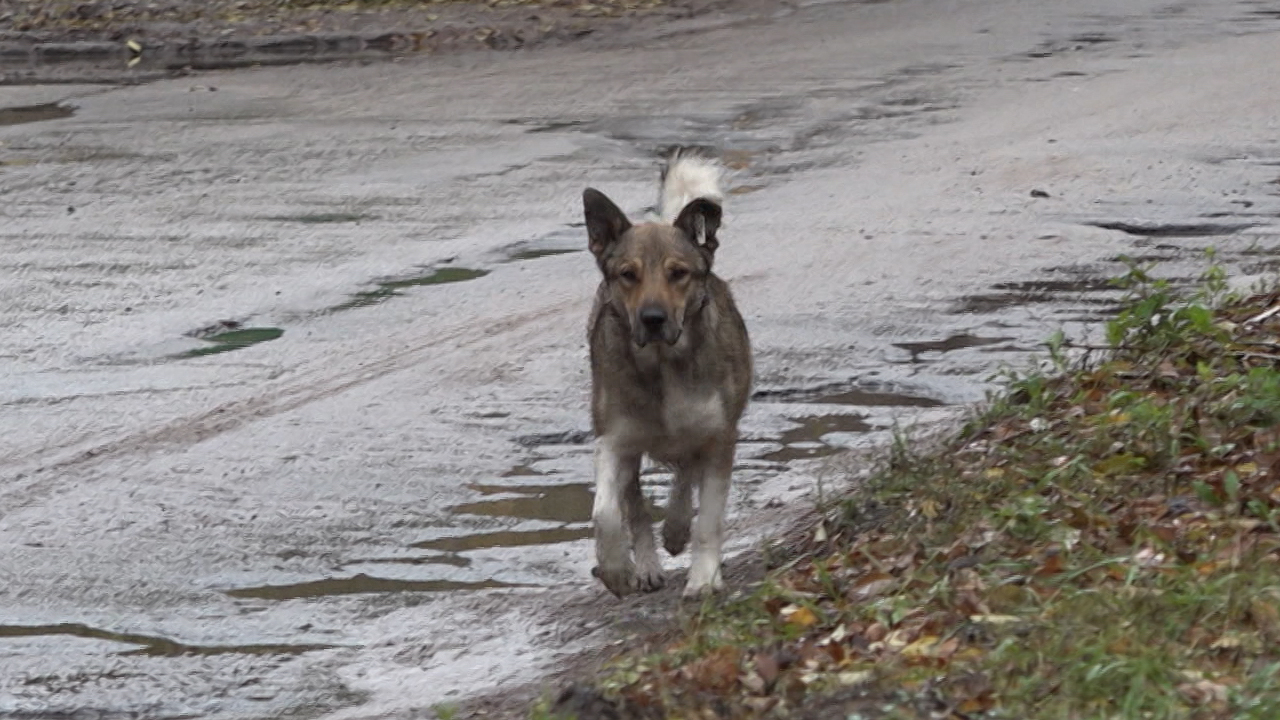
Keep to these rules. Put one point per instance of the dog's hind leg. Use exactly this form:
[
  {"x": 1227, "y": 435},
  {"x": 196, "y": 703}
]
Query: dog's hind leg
[
  {"x": 675, "y": 528},
  {"x": 615, "y": 472},
  {"x": 708, "y": 529},
  {"x": 648, "y": 570}
]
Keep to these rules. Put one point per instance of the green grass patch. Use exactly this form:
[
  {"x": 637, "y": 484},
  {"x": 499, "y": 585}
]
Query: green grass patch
[{"x": 1101, "y": 541}]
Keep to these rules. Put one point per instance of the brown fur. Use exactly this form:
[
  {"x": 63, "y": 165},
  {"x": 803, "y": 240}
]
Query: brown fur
[{"x": 671, "y": 374}]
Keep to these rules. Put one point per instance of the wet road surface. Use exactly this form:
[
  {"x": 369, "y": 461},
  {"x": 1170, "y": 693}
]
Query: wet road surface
[{"x": 294, "y": 402}]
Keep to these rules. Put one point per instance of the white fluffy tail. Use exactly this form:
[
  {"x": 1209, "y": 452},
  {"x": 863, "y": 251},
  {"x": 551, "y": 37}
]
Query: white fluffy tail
[{"x": 687, "y": 178}]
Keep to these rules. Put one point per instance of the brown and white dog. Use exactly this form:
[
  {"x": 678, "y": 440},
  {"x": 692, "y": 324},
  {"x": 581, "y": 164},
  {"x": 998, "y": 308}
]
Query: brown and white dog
[{"x": 670, "y": 376}]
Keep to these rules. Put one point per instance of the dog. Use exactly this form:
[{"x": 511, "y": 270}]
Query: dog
[{"x": 671, "y": 373}]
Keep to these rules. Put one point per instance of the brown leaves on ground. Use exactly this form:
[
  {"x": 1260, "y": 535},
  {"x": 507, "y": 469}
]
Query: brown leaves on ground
[{"x": 1105, "y": 541}]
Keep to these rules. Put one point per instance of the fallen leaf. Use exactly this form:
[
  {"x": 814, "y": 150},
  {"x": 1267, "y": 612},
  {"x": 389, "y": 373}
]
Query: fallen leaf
[
  {"x": 1052, "y": 565},
  {"x": 873, "y": 585},
  {"x": 854, "y": 677},
  {"x": 798, "y": 615},
  {"x": 1203, "y": 692},
  {"x": 922, "y": 647},
  {"x": 716, "y": 671},
  {"x": 767, "y": 668},
  {"x": 995, "y": 619}
]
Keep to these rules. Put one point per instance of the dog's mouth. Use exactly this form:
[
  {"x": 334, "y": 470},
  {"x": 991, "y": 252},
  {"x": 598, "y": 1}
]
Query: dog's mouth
[{"x": 667, "y": 332}]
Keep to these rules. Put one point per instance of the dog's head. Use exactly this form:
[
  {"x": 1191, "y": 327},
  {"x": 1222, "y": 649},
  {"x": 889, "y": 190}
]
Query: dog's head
[{"x": 656, "y": 273}]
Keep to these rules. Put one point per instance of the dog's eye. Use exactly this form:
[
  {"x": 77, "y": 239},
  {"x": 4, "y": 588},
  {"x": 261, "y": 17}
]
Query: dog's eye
[
  {"x": 678, "y": 273},
  {"x": 628, "y": 274}
]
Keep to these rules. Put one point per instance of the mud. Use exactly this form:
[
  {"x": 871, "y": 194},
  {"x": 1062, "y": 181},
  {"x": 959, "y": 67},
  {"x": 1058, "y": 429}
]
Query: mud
[
  {"x": 50, "y": 41},
  {"x": 359, "y": 583},
  {"x": 149, "y": 645},
  {"x": 387, "y": 507},
  {"x": 955, "y": 342},
  {"x": 234, "y": 340},
  {"x": 34, "y": 113},
  {"x": 395, "y": 288}
]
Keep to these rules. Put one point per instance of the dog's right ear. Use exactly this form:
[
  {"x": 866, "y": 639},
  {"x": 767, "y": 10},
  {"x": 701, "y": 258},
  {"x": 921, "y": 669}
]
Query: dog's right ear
[{"x": 605, "y": 222}]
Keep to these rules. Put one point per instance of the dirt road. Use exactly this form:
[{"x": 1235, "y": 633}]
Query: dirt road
[{"x": 294, "y": 399}]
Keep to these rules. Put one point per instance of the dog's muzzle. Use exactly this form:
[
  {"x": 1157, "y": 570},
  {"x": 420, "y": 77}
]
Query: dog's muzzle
[{"x": 652, "y": 324}]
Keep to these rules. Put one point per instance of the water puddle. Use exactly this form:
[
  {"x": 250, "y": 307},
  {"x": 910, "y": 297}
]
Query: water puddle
[
  {"x": 321, "y": 218},
  {"x": 505, "y": 539},
  {"x": 524, "y": 469},
  {"x": 360, "y": 583},
  {"x": 1173, "y": 230},
  {"x": 153, "y": 645},
  {"x": 805, "y": 441},
  {"x": 453, "y": 560},
  {"x": 872, "y": 398},
  {"x": 34, "y": 113},
  {"x": 392, "y": 288},
  {"x": 1075, "y": 291},
  {"x": 846, "y": 393},
  {"x": 534, "y": 254},
  {"x": 568, "y": 503},
  {"x": 230, "y": 340},
  {"x": 962, "y": 341},
  {"x": 1078, "y": 285},
  {"x": 568, "y": 437}
]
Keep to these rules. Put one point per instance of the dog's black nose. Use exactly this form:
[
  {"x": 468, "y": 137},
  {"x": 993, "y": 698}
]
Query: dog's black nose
[{"x": 653, "y": 317}]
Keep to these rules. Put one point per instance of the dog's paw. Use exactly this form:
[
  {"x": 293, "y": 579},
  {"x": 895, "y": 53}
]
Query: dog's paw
[
  {"x": 621, "y": 581},
  {"x": 649, "y": 576},
  {"x": 675, "y": 536},
  {"x": 703, "y": 581},
  {"x": 698, "y": 591}
]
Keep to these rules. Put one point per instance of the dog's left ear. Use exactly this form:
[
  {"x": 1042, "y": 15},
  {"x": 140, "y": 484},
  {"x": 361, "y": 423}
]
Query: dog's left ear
[{"x": 700, "y": 220}]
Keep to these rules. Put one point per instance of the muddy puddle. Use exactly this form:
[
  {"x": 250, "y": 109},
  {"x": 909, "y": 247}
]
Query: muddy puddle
[
  {"x": 846, "y": 393},
  {"x": 568, "y": 503},
  {"x": 150, "y": 644},
  {"x": 756, "y": 134},
  {"x": 567, "y": 506},
  {"x": 805, "y": 441},
  {"x": 235, "y": 339},
  {"x": 1173, "y": 230},
  {"x": 34, "y": 113},
  {"x": 393, "y": 288},
  {"x": 571, "y": 238},
  {"x": 505, "y": 539},
  {"x": 1099, "y": 293},
  {"x": 321, "y": 218},
  {"x": 534, "y": 254},
  {"x": 962, "y": 341},
  {"x": 360, "y": 583}
]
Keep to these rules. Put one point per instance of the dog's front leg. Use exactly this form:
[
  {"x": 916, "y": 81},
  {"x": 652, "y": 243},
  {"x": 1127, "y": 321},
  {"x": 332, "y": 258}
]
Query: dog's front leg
[
  {"x": 675, "y": 528},
  {"x": 648, "y": 569},
  {"x": 708, "y": 529},
  {"x": 614, "y": 472}
]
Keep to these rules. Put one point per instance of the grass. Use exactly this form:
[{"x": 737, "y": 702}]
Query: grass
[{"x": 1101, "y": 541}]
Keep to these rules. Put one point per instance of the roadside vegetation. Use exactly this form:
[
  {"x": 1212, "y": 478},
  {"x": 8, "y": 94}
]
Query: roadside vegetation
[
  {"x": 1101, "y": 541},
  {"x": 277, "y": 15}
]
